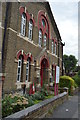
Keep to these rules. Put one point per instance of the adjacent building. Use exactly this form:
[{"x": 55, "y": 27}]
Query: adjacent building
[{"x": 32, "y": 45}]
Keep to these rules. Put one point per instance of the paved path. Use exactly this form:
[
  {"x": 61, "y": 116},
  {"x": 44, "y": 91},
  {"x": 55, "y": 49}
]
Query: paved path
[
  {"x": 0, "y": 100},
  {"x": 79, "y": 104},
  {"x": 69, "y": 109}
]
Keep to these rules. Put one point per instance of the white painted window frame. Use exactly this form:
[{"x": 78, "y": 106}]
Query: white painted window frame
[
  {"x": 40, "y": 38},
  {"x": 19, "y": 67},
  {"x": 30, "y": 30},
  {"x": 45, "y": 40},
  {"x": 23, "y": 24},
  {"x": 27, "y": 71}
]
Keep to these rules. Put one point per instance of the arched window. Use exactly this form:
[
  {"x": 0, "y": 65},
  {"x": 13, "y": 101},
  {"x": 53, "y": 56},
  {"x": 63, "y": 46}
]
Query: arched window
[
  {"x": 45, "y": 37},
  {"x": 30, "y": 29},
  {"x": 43, "y": 23},
  {"x": 27, "y": 69},
  {"x": 23, "y": 24},
  {"x": 40, "y": 38},
  {"x": 52, "y": 47},
  {"x": 19, "y": 70}
]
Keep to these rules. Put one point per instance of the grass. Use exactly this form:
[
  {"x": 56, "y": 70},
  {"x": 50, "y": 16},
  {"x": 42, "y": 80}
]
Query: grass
[{"x": 46, "y": 97}]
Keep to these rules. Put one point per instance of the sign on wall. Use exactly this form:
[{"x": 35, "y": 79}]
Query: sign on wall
[{"x": 57, "y": 74}]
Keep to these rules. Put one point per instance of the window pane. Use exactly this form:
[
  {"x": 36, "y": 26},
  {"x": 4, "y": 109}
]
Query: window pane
[
  {"x": 26, "y": 77},
  {"x": 19, "y": 63},
  {"x": 43, "y": 22},
  {"x": 23, "y": 24},
  {"x": 40, "y": 37},
  {"x": 18, "y": 77},
  {"x": 26, "y": 71},
  {"x": 18, "y": 70},
  {"x": 30, "y": 29},
  {"x": 44, "y": 40}
]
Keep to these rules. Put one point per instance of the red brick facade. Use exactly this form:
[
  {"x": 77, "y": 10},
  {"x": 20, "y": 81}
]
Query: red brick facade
[{"x": 28, "y": 57}]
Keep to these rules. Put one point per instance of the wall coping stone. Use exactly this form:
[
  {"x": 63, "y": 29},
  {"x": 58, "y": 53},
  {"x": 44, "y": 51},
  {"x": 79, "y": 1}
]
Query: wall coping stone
[{"x": 31, "y": 109}]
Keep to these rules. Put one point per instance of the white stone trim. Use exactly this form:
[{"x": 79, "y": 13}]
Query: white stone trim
[
  {"x": 2, "y": 74},
  {"x": 12, "y": 30},
  {"x": 52, "y": 54},
  {"x": 19, "y": 84}
]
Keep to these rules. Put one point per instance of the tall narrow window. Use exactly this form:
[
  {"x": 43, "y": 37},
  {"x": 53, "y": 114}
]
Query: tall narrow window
[
  {"x": 40, "y": 38},
  {"x": 45, "y": 40},
  {"x": 55, "y": 49},
  {"x": 19, "y": 69},
  {"x": 23, "y": 24},
  {"x": 43, "y": 22},
  {"x": 52, "y": 47},
  {"x": 30, "y": 29},
  {"x": 27, "y": 71}
]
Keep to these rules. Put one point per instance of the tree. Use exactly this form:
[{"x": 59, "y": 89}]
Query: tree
[{"x": 69, "y": 63}]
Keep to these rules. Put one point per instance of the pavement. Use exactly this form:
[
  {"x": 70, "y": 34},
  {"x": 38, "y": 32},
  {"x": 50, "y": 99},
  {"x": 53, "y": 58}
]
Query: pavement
[
  {"x": 79, "y": 104},
  {"x": 0, "y": 100},
  {"x": 69, "y": 109}
]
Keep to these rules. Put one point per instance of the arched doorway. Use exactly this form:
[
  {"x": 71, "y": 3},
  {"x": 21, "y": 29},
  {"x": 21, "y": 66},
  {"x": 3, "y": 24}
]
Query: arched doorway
[{"x": 44, "y": 71}]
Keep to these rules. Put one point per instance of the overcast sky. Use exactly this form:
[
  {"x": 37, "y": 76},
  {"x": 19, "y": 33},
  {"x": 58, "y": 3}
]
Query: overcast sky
[{"x": 66, "y": 17}]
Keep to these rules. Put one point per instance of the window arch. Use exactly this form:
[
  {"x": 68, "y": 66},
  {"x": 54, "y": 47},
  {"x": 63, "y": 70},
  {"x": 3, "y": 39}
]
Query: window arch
[
  {"x": 45, "y": 40},
  {"x": 43, "y": 24},
  {"x": 20, "y": 68},
  {"x": 40, "y": 37},
  {"x": 23, "y": 24},
  {"x": 30, "y": 29}
]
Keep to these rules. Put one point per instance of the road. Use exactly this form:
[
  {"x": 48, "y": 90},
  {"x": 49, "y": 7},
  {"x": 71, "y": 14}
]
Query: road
[
  {"x": 69, "y": 109},
  {"x": 0, "y": 100}
]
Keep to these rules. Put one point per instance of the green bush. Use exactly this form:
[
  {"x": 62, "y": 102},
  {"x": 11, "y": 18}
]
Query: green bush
[
  {"x": 79, "y": 73},
  {"x": 66, "y": 81},
  {"x": 77, "y": 78},
  {"x": 44, "y": 92},
  {"x": 13, "y": 103}
]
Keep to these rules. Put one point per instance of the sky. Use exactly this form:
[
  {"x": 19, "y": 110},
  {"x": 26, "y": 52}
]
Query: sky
[{"x": 66, "y": 17}]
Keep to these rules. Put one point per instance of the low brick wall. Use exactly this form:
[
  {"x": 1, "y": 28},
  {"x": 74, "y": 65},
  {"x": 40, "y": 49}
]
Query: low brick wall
[{"x": 40, "y": 109}]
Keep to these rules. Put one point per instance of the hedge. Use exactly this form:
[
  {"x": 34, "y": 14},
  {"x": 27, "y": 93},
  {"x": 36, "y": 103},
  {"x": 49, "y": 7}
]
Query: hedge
[{"x": 66, "y": 81}]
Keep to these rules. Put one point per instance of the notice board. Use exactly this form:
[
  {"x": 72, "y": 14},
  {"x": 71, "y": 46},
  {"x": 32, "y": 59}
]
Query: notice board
[{"x": 57, "y": 74}]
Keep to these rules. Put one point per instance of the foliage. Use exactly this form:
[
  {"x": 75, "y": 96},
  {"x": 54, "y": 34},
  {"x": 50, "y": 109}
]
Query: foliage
[
  {"x": 77, "y": 78},
  {"x": 69, "y": 63},
  {"x": 66, "y": 81},
  {"x": 13, "y": 103},
  {"x": 79, "y": 73}
]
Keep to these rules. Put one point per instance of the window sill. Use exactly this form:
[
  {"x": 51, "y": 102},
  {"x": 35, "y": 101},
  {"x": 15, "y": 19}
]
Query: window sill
[
  {"x": 20, "y": 84},
  {"x": 39, "y": 46}
]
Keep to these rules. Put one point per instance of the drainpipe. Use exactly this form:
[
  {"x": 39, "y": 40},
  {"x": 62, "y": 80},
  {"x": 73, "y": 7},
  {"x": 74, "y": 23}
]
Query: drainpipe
[
  {"x": 5, "y": 28},
  {"x": 3, "y": 42}
]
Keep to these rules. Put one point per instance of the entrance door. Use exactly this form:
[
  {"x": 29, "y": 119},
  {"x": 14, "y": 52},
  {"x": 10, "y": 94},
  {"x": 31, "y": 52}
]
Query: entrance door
[{"x": 44, "y": 71}]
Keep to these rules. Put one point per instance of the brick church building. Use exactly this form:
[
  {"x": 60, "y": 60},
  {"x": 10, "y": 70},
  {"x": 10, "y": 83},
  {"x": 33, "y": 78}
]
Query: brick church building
[{"x": 32, "y": 45}]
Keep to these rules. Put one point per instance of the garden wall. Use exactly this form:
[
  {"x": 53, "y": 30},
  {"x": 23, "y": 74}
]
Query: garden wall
[{"x": 40, "y": 109}]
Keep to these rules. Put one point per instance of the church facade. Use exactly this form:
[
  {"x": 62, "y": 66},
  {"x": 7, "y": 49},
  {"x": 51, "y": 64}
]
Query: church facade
[{"x": 32, "y": 45}]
